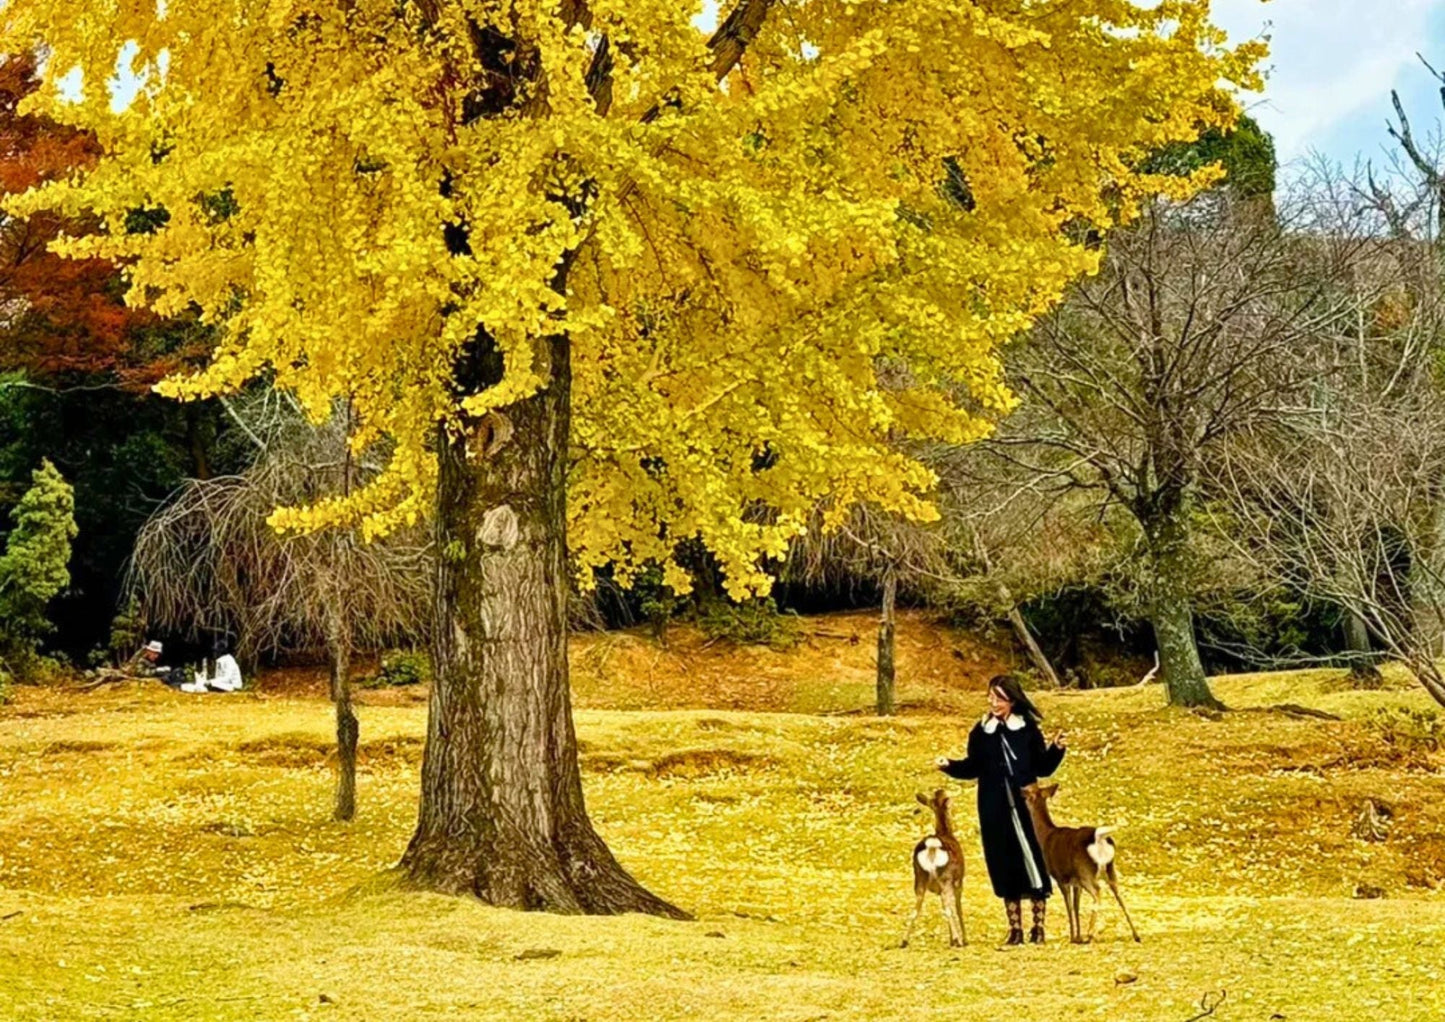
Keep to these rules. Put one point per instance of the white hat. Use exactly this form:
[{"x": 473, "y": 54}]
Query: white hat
[{"x": 154, "y": 647}]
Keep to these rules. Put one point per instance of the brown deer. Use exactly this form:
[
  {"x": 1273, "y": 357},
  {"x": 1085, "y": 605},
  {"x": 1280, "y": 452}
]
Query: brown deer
[
  {"x": 1075, "y": 857},
  {"x": 938, "y": 869}
]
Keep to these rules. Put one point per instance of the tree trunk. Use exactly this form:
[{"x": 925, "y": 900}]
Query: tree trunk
[
  {"x": 1357, "y": 633},
  {"x": 1179, "y": 654},
  {"x": 1171, "y": 615},
  {"x": 502, "y": 814},
  {"x": 348, "y": 729},
  {"x": 886, "y": 646},
  {"x": 195, "y": 439},
  {"x": 1427, "y": 670},
  {"x": 1015, "y": 616},
  {"x": 1035, "y": 651}
]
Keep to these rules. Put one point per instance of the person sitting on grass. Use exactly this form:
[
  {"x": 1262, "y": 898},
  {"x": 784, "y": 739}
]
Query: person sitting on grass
[
  {"x": 222, "y": 673},
  {"x": 147, "y": 664},
  {"x": 1007, "y": 752}
]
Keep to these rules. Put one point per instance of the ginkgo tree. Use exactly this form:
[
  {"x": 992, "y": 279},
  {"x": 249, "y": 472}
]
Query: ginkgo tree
[{"x": 607, "y": 278}]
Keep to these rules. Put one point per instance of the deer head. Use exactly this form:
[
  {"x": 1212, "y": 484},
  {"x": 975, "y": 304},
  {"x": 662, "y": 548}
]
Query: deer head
[
  {"x": 938, "y": 802},
  {"x": 1037, "y": 795}
]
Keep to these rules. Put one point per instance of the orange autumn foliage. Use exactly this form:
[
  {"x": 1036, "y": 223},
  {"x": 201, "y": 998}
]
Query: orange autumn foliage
[{"x": 59, "y": 317}]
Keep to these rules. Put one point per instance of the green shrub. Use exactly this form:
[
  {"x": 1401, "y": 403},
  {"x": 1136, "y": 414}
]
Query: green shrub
[
  {"x": 750, "y": 623},
  {"x": 127, "y": 632},
  {"x": 400, "y": 667},
  {"x": 30, "y": 667},
  {"x": 34, "y": 569}
]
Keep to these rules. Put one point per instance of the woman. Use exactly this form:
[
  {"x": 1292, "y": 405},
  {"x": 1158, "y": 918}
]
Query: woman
[
  {"x": 220, "y": 673},
  {"x": 1006, "y": 751}
]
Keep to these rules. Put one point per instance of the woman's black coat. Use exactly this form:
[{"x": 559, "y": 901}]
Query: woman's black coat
[{"x": 1003, "y": 761}]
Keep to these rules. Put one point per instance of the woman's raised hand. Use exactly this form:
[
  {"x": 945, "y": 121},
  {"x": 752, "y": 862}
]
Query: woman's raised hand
[
  {"x": 1062, "y": 740},
  {"x": 941, "y": 761}
]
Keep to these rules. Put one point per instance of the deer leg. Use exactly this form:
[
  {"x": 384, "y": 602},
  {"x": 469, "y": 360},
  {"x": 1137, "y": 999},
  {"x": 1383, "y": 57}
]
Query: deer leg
[
  {"x": 958, "y": 913},
  {"x": 1113, "y": 880},
  {"x": 945, "y": 896},
  {"x": 1076, "y": 925},
  {"x": 917, "y": 911},
  {"x": 1093, "y": 912}
]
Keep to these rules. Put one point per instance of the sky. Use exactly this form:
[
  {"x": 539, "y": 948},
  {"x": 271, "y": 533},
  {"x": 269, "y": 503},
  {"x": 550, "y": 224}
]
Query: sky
[{"x": 1332, "y": 66}]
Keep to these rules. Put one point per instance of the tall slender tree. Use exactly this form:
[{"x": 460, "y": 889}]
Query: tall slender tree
[{"x": 610, "y": 282}]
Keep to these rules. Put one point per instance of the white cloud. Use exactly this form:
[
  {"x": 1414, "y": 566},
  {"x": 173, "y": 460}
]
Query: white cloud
[{"x": 1328, "y": 58}]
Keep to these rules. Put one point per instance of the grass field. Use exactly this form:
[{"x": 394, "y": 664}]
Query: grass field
[{"x": 171, "y": 857}]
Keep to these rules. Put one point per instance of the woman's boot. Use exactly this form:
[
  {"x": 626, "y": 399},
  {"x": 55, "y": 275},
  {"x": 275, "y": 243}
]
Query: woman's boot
[
  {"x": 1036, "y": 935},
  {"x": 1015, "y": 912}
]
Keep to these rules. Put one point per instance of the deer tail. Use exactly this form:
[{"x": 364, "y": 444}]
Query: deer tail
[
  {"x": 932, "y": 857},
  {"x": 1101, "y": 849}
]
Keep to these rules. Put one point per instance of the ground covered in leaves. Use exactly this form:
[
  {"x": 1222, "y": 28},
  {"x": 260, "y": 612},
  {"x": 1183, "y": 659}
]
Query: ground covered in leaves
[{"x": 170, "y": 857}]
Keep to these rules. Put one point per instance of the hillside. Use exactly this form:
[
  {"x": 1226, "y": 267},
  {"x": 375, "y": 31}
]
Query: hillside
[{"x": 827, "y": 668}]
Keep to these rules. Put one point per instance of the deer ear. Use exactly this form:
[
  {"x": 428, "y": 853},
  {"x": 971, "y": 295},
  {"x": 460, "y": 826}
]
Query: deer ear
[
  {"x": 1051, "y": 791},
  {"x": 923, "y": 799}
]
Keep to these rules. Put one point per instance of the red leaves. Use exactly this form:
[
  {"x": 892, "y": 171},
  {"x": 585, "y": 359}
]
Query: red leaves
[{"x": 58, "y": 316}]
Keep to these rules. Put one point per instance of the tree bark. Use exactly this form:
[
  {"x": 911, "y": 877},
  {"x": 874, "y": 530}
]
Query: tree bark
[
  {"x": 502, "y": 814},
  {"x": 1357, "y": 633},
  {"x": 195, "y": 439},
  {"x": 1179, "y": 654},
  {"x": 1172, "y": 617},
  {"x": 886, "y": 645},
  {"x": 348, "y": 729}
]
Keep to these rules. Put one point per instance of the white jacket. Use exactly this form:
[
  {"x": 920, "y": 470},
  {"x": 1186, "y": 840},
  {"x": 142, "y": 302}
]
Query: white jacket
[{"x": 227, "y": 679}]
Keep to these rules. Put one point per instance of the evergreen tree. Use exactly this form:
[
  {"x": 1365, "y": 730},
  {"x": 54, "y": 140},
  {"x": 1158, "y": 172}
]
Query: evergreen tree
[{"x": 35, "y": 566}]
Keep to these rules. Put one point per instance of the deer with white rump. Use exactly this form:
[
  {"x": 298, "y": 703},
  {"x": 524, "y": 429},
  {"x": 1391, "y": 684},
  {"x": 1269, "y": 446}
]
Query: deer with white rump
[
  {"x": 1076, "y": 857},
  {"x": 938, "y": 869}
]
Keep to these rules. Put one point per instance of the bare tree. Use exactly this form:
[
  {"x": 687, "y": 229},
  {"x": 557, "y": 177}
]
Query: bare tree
[
  {"x": 1191, "y": 333},
  {"x": 1424, "y": 167},
  {"x": 1343, "y": 504},
  {"x": 208, "y": 561},
  {"x": 1019, "y": 534},
  {"x": 1342, "y": 497}
]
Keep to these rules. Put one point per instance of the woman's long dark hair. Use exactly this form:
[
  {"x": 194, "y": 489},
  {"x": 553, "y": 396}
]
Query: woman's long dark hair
[
  {"x": 219, "y": 648},
  {"x": 1009, "y": 686}
]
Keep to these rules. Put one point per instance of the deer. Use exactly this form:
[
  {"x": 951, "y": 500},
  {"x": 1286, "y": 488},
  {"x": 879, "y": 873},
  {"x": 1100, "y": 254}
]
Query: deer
[
  {"x": 1076, "y": 857},
  {"x": 938, "y": 869}
]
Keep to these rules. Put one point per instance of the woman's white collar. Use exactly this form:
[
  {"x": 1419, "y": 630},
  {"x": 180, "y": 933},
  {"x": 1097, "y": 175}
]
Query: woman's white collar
[{"x": 1013, "y": 723}]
